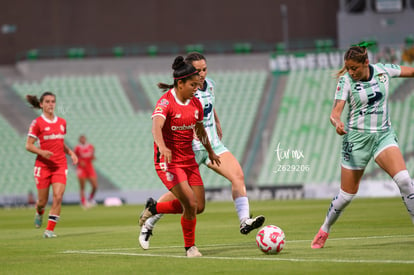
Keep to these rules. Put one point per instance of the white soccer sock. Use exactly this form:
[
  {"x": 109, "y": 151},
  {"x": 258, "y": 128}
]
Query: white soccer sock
[
  {"x": 151, "y": 221},
  {"x": 242, "y": 208},
  {"x": 405, "y": 184},
  {"x": 338, "y": 204}
]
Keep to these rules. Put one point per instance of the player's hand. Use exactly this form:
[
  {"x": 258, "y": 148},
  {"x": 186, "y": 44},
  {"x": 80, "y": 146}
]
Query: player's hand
[
  {"x": 166, "y": 153},
  {"x": 340, "y": 128},
  {"x": 74, "y": 159},
  {"x": 214, "y": 159},
  {"x": 46, "y": 154}
]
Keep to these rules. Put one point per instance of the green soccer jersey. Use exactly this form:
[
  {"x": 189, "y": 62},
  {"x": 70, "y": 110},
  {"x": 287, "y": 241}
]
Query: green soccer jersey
[
  {"x": 207, "y": 99},
  {"x": 368, "y": 100}
]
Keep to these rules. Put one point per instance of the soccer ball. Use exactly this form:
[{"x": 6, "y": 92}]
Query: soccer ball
[{"x": 270, "y": 239}]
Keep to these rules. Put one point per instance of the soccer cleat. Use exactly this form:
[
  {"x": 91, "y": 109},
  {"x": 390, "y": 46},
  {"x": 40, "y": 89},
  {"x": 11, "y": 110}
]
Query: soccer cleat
[
  {"x": 91, "y": 203},
  {"x": 49, "y": 234},
  {"x": 193, "y": 252},
  {"x": 146, "y": 213},
  {"x": 144, "y": 237},
  {"x": 320, "y": 239},
  {"x": 38, "y": 220},
  {"x": 250, "y": 224}
]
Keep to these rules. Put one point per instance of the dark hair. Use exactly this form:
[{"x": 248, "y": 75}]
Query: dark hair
[
  {"x": 356, "y": 53},
  {"x": 194, "y": 56},
  {"x": 35, "y": 102},
  {"x": 182, "y": 71}
]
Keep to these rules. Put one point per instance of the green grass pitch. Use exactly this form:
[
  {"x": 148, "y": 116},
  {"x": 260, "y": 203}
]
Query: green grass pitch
[{"x": 373, "y": 236}]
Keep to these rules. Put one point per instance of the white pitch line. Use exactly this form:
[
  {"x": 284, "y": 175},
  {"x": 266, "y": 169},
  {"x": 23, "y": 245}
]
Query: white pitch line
[
  {"x": 240, "y": 258},
  {"x": 116, "y": 251}
]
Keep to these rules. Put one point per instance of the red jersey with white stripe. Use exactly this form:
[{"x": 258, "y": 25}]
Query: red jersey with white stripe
[
  {"x": 178, "y": 131},
  {"x": 50, "y": 134},
  {"x": 85, "y": 153}
]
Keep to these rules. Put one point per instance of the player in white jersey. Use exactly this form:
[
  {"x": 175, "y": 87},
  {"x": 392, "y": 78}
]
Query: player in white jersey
[
  {"x": 229, "y": 168},
  {"x": 368, "y": 132}
]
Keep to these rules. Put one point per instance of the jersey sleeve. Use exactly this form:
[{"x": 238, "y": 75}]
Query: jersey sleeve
[
  {"x": 161, "y": 108},
  {"x": 342, "y": 89},
  {"x": 34, "y": 129},
  {"x": 392, "y": 69}
]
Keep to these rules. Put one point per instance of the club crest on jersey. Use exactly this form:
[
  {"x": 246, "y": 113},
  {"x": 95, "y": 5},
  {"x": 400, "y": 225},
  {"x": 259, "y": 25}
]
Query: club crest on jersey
[
  {"x": 382, "y": 78},
  {"x": 164, "y": 102},
  {"x": 196, "y": 114}
]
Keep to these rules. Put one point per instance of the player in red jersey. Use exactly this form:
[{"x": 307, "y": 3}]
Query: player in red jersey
[
  {"x": 50, "y": 166},
  {"x": 177, "y": 116},
  {"x": 85, "y": 170}
]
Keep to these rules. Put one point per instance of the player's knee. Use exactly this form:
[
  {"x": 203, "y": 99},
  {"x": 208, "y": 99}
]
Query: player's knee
[
  {"x": 346, "y": 197},
  {"x": 200, "y": 209},
  {"x": 404, "y": 182}
]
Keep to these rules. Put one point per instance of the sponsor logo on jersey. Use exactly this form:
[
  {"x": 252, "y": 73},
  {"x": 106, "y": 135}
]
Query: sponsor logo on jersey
[
  {"x": 207, "y": 110},
  {"x": 183, "y": 127},
  {"x": 196, "y": 114},
  {"x": 53, "y": 136},
  {"x": 62, "y": 128},
  {"x": 372, "y": 98},
  {"x": 158, "y": 110}
]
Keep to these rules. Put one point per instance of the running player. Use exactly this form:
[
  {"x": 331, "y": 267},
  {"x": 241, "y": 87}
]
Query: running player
[
  {"x": 85, "y": 171},
  {"x": 229, "y": 168},
  {"x": 177, "y": 115},
  {"x": 50, "y": 166},
  {"x": 368, "y": 132}
]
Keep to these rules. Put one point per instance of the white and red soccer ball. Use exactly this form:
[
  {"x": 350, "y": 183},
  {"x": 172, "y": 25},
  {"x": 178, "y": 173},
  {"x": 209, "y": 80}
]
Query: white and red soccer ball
[{"x": 270, "y": 239}]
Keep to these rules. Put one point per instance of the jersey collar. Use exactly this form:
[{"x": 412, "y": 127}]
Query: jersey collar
[
  {"x": 177, "y": 100},
  {"x": 48, "y": 120}
]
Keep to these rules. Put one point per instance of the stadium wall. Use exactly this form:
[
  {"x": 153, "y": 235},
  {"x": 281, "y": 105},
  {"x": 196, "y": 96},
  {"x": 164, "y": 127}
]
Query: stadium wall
[{"x": 27, "y": 24}]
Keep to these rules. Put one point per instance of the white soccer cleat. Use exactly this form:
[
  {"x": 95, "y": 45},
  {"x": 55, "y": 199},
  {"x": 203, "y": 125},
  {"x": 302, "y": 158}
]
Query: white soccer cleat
[
  {"x": 49, "y": 234},
  {"x": 144, "y": 237},
  {"x": 193, "y": 252},
  {"x": 250, "y": 224}
]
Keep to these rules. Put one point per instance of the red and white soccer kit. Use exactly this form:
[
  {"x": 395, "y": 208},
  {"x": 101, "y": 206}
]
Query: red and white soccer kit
[
  {"x": 85, "y": 153},
  {"x": 50, "y": 134},
  {"x": 178, "y": 131}
]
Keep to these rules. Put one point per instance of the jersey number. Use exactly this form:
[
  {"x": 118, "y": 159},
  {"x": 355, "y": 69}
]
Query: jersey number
[{"x": 37, "y": 171}]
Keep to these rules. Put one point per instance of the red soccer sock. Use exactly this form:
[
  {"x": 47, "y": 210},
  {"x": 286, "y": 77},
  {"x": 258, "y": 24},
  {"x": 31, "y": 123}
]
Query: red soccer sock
[
  {"x": 188, "y": 227},
  {"x": 51, "y": 223},
  {"x": 169, "y": 207}
]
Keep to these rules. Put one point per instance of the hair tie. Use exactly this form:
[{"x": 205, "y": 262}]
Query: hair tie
[
  {"x": 187, "y": 75},
  {"x": 364, "y": 44}
]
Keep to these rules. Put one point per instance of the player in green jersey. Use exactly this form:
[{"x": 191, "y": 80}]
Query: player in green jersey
[
  {"x": 368, "y": 132},
  {"x": 229, "y": 168}
]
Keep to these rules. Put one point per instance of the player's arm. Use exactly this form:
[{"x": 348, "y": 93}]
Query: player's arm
[
  {"x": 407, "y": 71},
  {"x": 69, "y": 152},
  {"x": 157, "y": 124},
  {"x": 31, "y": 147},
  {"x": 218, "y": 125},
  {"x": 336, "y": 116},
  {"x": 203, "y": 137}
]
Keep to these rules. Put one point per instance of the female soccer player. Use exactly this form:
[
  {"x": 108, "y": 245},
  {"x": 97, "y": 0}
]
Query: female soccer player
[
  {"x": 177, "y": 116},
  {"x": 229, "y": 168},
  {"x": 85, "y": 170},
  {"x": 368, "y": 132},
  {"x": 50, "y": 166}
]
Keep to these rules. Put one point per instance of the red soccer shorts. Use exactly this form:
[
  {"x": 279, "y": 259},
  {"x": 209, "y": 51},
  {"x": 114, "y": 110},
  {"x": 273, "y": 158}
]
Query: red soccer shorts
[
  {"x": 171, "y": 175},
  {"x": 86, "y": 172},
  {"x": 45, "y": 176}
]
